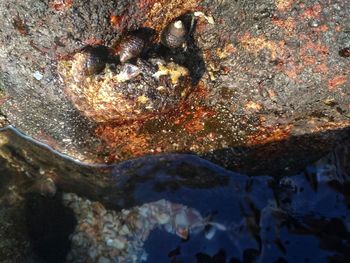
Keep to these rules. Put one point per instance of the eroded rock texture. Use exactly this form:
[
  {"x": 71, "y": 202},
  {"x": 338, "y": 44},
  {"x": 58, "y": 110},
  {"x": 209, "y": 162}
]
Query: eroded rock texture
[{"x": 269, "y": 79}]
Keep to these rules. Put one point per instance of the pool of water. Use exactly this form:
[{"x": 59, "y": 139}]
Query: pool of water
[{"x": 180, "y": 208}]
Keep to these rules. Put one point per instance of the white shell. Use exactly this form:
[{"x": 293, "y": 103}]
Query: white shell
[{"x": 128, "y": 72}]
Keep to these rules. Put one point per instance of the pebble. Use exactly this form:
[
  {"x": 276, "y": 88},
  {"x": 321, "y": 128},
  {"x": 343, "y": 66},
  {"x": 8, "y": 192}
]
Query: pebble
[
  {"x": 314, "y": 23},
  {"x": 37, "y": 75},
  {"x": 104, "y": 260},
  {"x": 345, "y": 52}
]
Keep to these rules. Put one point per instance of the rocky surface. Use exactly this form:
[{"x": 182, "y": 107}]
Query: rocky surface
[{"x": 269, "y": 79}]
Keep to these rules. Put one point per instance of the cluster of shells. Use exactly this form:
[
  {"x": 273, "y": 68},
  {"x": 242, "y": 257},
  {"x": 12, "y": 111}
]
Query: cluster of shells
[
  {"x": 117, "y": 84},
  {"x": 107, "y": 236}
]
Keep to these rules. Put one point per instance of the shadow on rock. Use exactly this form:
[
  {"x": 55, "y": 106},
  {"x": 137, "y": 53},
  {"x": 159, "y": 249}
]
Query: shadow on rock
[{"x": 49, "y": 224}]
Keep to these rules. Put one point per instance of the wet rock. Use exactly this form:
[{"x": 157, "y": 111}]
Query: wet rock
[
  {"x": 127, "y": 92},
  {"x": 234, "y": 111},
  {"x": 14, "y": 244},
  {"x": 49, "y": 225}
]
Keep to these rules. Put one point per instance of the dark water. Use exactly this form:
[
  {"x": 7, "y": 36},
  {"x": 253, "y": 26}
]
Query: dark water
[
  {"x": 211, "y": 190},
  {"x": 300, "y": 218}
]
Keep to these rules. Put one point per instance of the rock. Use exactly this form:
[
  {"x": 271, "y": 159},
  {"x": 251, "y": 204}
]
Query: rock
[{"x": 260, "y": 75}]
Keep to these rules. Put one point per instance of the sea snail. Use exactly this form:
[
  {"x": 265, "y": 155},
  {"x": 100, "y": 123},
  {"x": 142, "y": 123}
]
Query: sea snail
[
  {"x": 174, "y": 34},
  {"x": 90, "y": 60},
  {"x": 130, "y": 47}
]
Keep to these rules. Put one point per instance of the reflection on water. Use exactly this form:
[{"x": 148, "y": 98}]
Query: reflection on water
[{"x": 180, "y": 208}]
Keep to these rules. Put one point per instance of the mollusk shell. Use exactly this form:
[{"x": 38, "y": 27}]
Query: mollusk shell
[
  {"x": 174, "y": 34},
  {"x": 89, "y": 61},
  {"x": 130, "y": 47},
  {"x": 128, "y": 72}
]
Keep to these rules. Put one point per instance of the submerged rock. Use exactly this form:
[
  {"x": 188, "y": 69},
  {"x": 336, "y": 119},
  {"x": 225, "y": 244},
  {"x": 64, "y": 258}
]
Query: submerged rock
[{"x": 120, "y": 236}]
